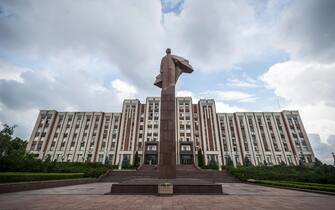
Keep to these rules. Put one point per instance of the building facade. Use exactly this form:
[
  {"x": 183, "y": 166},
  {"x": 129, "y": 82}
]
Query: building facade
[{"x": 262, "y": 138}]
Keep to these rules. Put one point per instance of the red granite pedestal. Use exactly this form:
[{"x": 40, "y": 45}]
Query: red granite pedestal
[{"x": 167, "y": 148}]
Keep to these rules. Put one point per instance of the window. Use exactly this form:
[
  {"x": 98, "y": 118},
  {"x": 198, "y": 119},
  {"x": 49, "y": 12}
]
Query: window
[
  {"x": 289, "y": 159},
  {"x": 279, "y": 160},
  {"x": 82, "y": 145},
  {"x": 39, "y": 146},
  {"x": 268, "y": 158},
  {"x": 151, "y": 148},
  {"x": 103, "y": 145},
  {"x": 112, "y": 146},
  {"x": 89, "y": 157},
  {"x": 101, "y": 158},
  {"x": 309, "y": 158},
  {"x": 258, "y": 159},
  {"x": 185, "y": 147},
  {"x": 79, "y": 157},
  {"x": 110, "y": 158},
  {"x": 237, "y": 160},
  {"x": 53, "y": 144}
]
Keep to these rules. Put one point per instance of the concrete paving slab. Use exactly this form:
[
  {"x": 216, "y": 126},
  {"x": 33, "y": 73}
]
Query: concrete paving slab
[
  {"x": 240, "y": 196},
  {"x": 96, "y": 188},
  {"x": 251, "y": 189}
]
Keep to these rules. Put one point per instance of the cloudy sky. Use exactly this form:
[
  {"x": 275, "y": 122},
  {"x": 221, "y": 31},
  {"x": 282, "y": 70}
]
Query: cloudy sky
[{"x": 248, "y": 55}]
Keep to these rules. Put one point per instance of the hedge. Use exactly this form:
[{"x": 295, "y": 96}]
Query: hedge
[
  {"x": 322, "y": 174},
  {"x": 35, "y": 165},
  {"x": 300, "y": 185},
  {"x": 28, "y": 176}
]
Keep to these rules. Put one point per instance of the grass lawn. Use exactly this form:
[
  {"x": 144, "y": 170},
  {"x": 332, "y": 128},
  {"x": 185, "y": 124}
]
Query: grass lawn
[
  {"x": 300, "y": 185},
  {"x": 35, "y": 176}
]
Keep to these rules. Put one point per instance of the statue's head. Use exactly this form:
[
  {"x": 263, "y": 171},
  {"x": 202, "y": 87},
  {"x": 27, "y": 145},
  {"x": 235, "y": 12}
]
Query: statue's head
[{"x": 168, "y": 51}]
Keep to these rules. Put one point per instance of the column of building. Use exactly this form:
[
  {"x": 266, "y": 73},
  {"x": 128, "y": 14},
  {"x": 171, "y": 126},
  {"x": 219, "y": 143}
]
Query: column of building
[{"x": 261, "y": 138}]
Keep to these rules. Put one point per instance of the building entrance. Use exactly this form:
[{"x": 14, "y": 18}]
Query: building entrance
[
  {"x": 150, "y": 159},
  {"x": 186, "y": 159}
]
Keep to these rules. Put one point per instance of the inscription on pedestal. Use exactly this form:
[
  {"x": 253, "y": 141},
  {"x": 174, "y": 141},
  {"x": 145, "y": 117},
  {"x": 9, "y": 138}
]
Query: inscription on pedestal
[{"x": 165, "y": 189}]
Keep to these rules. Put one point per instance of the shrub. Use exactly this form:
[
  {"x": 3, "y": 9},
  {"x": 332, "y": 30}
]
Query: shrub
[
  {"x": 28, "y": 176},
  {"x": 319, "y": 174},
  {"x": 301, "y": 185},
  {"x": 200, "y": 158},
  {"x": 136, "y": 160},
  {"x": 35, "y": 165},
  {"x": 247, "y": 162},
  {"x": 212, "y": 165},
  {"x": 229, "y": 161}
]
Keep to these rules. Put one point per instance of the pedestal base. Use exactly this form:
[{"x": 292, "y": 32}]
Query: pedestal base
[
  {"x": 167, "y": 142},
  {"x": 179, "y": 186}
]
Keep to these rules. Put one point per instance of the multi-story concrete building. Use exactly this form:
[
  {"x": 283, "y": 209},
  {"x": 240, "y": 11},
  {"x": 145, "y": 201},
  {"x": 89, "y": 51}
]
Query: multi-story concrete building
[{"x": 269, "y": 138}]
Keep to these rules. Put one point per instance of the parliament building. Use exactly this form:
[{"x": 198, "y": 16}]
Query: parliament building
[{"x": 264, "y": 138}]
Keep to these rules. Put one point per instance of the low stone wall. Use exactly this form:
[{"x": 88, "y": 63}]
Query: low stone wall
[
  {"x": 152, "y": 189},
  {"x": 34, "y": 185}
]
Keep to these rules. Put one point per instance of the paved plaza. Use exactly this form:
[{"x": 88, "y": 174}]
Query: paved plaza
[{"x": 92, "y": 196}]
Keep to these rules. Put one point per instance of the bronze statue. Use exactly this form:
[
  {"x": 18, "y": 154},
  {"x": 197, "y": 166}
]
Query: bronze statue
[{"x": 170, "y": 69}]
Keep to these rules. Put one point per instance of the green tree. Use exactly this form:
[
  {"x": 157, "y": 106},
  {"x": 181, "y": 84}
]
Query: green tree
[
  {"x": 136, "y": 160},
  {"x": 230, "y": 161},
  {"x": 11, "y": 147},
  {"x": 213, "y": 164},
  {"x": 247, "y": 162},
  {"x": 301, "y": 161},
  {"x": 200, "y": 158},
  {"x": 5, "y": 138},
  {"x": 126, "y": 164},
  {"x": 317, "y": 163}
]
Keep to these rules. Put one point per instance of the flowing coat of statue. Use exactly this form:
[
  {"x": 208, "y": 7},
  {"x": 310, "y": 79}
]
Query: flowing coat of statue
[{"x": 171, "y": 68}]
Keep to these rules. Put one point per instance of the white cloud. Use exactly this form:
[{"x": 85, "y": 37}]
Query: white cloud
[
  {"x": 309, "y": 88},
  {"x": 63, "y": 90},
  {"x": 302, "y": 83},
  {"x": 11, "y": 72},
  {"x": 186, "y": 93},
  {"x": 243, "y": 82},
  {"x": 237, "y": 96},
  {"x": 306, "y": 30},
  {"x": 222, "y": 107},
  {"x": 216, "y": 35},
  {"x": 119, "y": 32},
  {"x": 323, "y": 150},
  {"x": 123, "y": 89}
]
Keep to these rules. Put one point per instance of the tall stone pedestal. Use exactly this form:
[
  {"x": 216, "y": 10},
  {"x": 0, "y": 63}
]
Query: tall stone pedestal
[{"x": 167, "y": 142}]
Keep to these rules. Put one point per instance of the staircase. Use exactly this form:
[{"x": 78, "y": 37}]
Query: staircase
[
  {"x": 191, "y": 171},
  {"x": 145, "y": 171},
  {"x": 183, "y": 172}
]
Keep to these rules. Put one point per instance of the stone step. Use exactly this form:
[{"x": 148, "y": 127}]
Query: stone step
[{"x": 182, "y": 171}]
